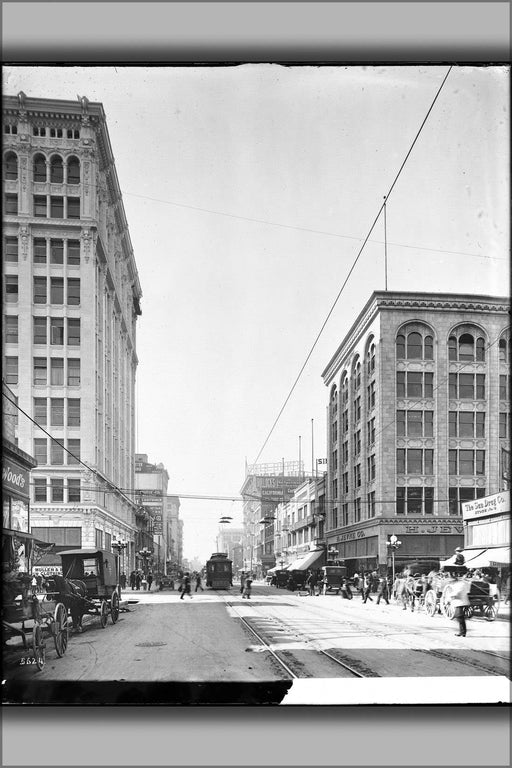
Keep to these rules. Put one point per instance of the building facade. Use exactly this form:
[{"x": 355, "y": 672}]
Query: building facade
[
  {"x": 300, "y": 523},
  {"x": 71, "y": 303},
  {"x": 230, "y": 541},
  {"x": 418, "y": 416}
]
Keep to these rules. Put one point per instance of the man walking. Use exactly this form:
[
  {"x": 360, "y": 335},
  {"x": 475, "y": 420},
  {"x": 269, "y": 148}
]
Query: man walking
[
  {"x": 382, "y": 590},
  {"x": 367, "y": 588},
  {"x": 185, "y": 587},
  {"x": 198, "y": 583}
]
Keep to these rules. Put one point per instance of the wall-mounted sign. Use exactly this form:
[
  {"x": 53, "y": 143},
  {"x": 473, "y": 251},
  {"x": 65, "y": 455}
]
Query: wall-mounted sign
[
  {"x": 497, "y": 504},
  {"x": 15, "y": 479}
]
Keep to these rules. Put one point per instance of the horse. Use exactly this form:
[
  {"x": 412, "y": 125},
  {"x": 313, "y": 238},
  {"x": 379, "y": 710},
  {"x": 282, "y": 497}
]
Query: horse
[
  {"x": 404, "y": 591},
  {"x": 70, "y": 592}
]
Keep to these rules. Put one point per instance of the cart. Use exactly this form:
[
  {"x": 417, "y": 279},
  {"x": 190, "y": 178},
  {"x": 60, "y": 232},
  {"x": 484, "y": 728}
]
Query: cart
[
  {"x": 22, "y": 607},
  {"x": 89, "y": 585},
  {"x": 484, "y": 598}
]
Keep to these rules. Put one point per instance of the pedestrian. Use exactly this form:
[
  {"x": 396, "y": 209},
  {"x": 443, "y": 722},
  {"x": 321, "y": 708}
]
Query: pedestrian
[
  {"x": 459, "y": 601},
  {"x": 311, "y": 582},
  {"x": 382, "y": 590},
  {"x": 39, "y": 582},
  {"x": 247, "y": 587},
  {"x": 185, "y": 586},
  {"x": 150, "y": 580},
  {"x": 242, "y": 580},
  {"x": 345, "y": 590},
  {"x": 367, "y": 588},
  {"x": 138, "y": 579},
  {"x": 144, "y": 582},
  {"x": 122, "y": 580},
  {"x": 132, "y": 580},
  {"x": 459, "y": 557},
  {"x": 198, "y": 583},
  {"x": 291, "y": 583}
]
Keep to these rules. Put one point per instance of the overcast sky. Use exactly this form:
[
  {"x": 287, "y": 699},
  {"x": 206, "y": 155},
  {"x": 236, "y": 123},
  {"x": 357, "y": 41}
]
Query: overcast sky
[{"x": 248, "y": 192}]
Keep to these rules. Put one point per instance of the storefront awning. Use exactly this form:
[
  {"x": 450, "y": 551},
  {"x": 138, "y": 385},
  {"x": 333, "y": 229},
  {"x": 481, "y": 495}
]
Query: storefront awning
[
  {"x": 491, "y": 558},
  {"x": 306, "y": 562}
]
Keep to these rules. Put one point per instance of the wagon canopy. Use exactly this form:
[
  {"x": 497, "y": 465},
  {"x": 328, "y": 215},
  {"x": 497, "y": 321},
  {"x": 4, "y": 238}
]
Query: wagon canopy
[{"x": 491, "y": 558}]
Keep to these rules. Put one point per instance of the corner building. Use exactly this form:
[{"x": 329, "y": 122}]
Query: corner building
[
  {"x": 71, "y": 302},
  {"x": 418, "y": 416}
]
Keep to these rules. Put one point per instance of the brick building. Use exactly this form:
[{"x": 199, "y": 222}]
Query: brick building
[{"x": 418, "y": 416}]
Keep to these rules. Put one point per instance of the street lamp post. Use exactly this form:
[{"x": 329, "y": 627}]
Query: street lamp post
[
  {"x": 394, "y": 544},
  {"x": 332, "y": 554},
  {"x": 145, "y": 554},
  {"x": 119, "y": 547}
]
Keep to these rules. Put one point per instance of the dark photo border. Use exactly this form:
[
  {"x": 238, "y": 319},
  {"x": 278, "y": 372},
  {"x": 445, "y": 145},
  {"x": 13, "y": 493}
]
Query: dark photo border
[{"x": 228, "y": 33}]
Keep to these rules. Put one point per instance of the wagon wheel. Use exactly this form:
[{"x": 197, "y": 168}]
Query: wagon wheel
[
  {"x": 431, "y": 602},
  {"x": 469, "y": 611},
  {"x": 445, "y": 602},
  {"x": 103, "y": 613},
  {"x": 490, "y": 610},
  {"x": 39, "y": 646},
  {"x": 60, "y": 629},
  {"x": 114, "y": 607}
]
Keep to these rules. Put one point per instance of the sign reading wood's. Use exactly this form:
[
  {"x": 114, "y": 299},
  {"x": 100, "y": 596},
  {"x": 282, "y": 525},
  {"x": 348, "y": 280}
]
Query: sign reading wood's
[
  {"x": 15, "y": 479},
  {"x": 497, "y": 504}
]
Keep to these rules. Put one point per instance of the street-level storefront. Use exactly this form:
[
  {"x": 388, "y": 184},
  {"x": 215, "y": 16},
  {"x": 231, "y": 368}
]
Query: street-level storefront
[
  {"x": 17, "y": 541},
  {"x": 487, "y": 533},
  {"x": 419, "y": 542}
]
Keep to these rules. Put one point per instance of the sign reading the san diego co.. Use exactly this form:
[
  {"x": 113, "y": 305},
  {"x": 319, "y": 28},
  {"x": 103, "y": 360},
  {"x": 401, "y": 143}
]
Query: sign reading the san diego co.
[{"x": 497, "y": 504}]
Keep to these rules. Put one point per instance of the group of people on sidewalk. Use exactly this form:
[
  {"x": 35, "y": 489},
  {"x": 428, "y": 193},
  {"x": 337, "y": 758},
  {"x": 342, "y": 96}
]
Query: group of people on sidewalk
[{"x": 139, "y": 579}]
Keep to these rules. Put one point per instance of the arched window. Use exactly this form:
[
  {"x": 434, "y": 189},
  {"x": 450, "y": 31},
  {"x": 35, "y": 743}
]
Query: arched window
[
  {"x": 414, "y": 346},
  {"x": 11, "y": 167},
  {"x": 344, "y": 390},
  {"x": 357, "y": 375},
  {"x": 334, "y": 394},
  {"x": 39, "y": 168},
  {"x": 73, "y": 172},
  {"x": 480, "y": 349},
  {"x": 465, "y": 345},
  {"x": 56, "y": 170},
  {"x": 504, "y": 349},
  {"x": 400, "y": 346},
  {"x": 370, "y": 360},
  {"x": 452, "y": 348},
  {"x": 428, "y": 353}
]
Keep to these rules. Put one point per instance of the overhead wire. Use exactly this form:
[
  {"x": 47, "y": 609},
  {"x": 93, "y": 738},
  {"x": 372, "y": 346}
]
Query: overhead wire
[{"x": 354, "y": 263}]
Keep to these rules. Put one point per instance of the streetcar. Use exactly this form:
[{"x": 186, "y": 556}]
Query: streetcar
[{"x": 219, "y": 571}]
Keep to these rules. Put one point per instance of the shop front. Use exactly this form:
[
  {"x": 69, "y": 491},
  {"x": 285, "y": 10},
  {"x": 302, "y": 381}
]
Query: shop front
[
  {"x": 487, "y": 533},
  {"x": 17, "y": 541}
]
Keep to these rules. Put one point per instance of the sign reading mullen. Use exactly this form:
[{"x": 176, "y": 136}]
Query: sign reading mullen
[{"x": 497, "y": 504}]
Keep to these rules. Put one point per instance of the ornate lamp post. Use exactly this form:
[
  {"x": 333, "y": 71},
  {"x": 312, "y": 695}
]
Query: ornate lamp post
[
  {"x": 146, "y": 555},
  {"x": 119, "y": 547},
  {"x": 332, "y": 554},
  {"x": 394, "y": 544}
]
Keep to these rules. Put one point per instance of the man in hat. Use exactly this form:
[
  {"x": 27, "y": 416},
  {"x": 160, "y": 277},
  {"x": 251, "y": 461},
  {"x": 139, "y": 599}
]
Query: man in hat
[{"x": 459, "y": 557}]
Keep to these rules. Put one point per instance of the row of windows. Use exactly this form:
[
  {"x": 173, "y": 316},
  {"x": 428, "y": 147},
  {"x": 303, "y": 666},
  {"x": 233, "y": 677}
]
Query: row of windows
[
  {"x": 60, "y": 172},
  {"x": 55, "y": 490},
  {"x": 42, "y": 130},
  {"x": 46, "y": 206},
  {"x": 63, "y": 411},
  {"x": 59, "y": 251},
  {"x": 56, "y": 326},
  {"x": 56, "y": 453},
  {"x": 56, "y": 285},
  {"x": 40, "y": 377}
]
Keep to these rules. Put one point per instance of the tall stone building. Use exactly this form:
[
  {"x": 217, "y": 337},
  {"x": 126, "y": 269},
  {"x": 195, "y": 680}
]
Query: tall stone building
[
  {"x": 71, "y": 303},
  {"x": 418, "y": 417}
]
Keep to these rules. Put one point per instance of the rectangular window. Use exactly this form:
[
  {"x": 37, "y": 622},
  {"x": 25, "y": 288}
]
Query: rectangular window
[
  {"x": 73, "y": 372},
  {"x": 11, "y": 329},
  {"x": 429, "y": 501},
  {"x": 56, "y": 251},
  {"x": 98, "y": 538},
  {"x": 73, "y": 489},
  {"x": 344, "y": 482},
  {"x": 334, "y": 492},
  {"x": 357, "y": 443},
  {"x": 73, "y": 252},
  {"x": 429, "y": 385},
  {"x": 414, "y": 461},
  {"x": 466, "y": 462},
  {"x": 400, "y": 501},
  {"x": 11, "y": 205},
  {"x": 40, "y": 206},
  {"x": 57, "y": 371},
  {"x": 480, "y": 386},
  {"x": 400, "y": 461},
  {"x": 73, "y": 207},
  {"x": 11, "y": 370},
  {"x": 357, "y": 476},
  {"x": 40, "y": 410},
  {"x": 414, "y": 384},
  {"x": 74, "y": 332},
  {"x": 40, "y": 294},
  {"x": 11, "y": 288},
  {"x": 371, "y": 432},
  {"x": 429, "y": 462},
  {"x": 504, "y": 422},
  {"x": 40, "y": 489},
  {"x": 57, "y": 489},
  {"x": 400, "y": 423},
  {"x": 41, "y": 450},
  {"x": 415, "y": 423},
  {"x": 40, "y": 330},
  {"x": 11, "y": 249},
  {"x": 371, "y": 468},
  {"x": 57, "y": 331},
  {"x": 371, "y": 396},
  {"x": 73, "y": 446},
  {"x": 503, "y": 387},
  {"x": 73, "y": 291},
  {"x": 480, "y": 424},
  {"x": 57, "y": 290},
  {"x": 357, "y": 510},
  {"x": 57, "y": 412},
  {"x": 40, "y": 371},
  {"x": 344, "y": 452},
  {"x": 56, "y": 453},
  {"x": 39, "y": 250},
  {"x": 56, "y": 207},
  {"x": 371, "y": 504},
  {"x": 344, "y": 422},
  {"x": 480, "y": 462},
  {"x": 428, "y": 427},
  {"x": 73, "y": 412},
  {"x": 414, "y": 501},
  {"x": 357, "y": 409}
]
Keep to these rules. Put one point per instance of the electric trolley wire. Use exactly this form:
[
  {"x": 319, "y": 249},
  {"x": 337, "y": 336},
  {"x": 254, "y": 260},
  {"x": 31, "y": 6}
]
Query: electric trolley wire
[{"x": 386, "y": 199}]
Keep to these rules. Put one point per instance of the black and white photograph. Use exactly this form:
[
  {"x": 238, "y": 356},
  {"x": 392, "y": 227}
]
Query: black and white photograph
[{"x": 256, "y": 384}]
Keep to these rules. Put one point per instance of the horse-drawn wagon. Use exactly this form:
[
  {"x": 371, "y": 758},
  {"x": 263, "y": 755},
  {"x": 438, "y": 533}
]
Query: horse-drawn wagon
[
  {"x": 88, "y": 585},
  {"x": 25, "y": 616}
]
